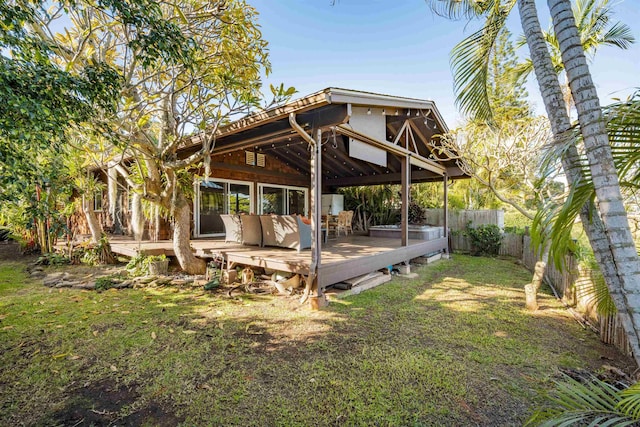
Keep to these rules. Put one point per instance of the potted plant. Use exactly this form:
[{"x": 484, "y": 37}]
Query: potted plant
[{"x": 157, "y": 264}]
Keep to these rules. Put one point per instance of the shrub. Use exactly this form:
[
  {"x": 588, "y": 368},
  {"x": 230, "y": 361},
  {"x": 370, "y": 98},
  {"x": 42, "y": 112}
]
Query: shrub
[
  {"x": 107, "y": 282},
  {"x": 416, "y": 213},
  {"x": 52, "y": 258},
  {"x": 485, "y": 239}
]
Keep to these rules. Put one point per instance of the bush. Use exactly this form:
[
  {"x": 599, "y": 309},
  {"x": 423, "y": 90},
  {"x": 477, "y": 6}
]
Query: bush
[
  {"x": 515, "y": 222},
  {"x": 416, "y": 213},
  {"x": 52, "y": 258},
  {"x": 485, "y": 239},
  {"x": 107, "y": 282}
]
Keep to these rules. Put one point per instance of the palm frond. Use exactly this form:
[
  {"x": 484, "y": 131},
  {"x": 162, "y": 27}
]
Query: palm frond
[
  {"x": 459, "y": 9},
  {"x": 623, "y": 125},
  {"x": 595, "y": 292},
  {"x": 556, "y": 219},
  {"x": 470, "y": 63},
  {"x": 620, "y": 35},
  {"x": 630, "y": 403},
  {"x": 595, "y": 403}
]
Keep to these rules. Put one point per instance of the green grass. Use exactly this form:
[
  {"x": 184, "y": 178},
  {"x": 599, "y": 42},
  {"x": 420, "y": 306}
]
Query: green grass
[{"x": 453, "y": 347}]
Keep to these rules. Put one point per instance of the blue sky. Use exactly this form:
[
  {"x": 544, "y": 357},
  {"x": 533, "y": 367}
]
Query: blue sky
[{"x": 401, "y": 48}]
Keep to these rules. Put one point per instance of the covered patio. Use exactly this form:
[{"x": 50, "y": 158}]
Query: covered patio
[{"x": 313, "y": 146}]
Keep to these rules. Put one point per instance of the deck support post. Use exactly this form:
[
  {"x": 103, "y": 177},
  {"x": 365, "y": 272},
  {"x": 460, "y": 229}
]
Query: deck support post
[
  {"x": 405, "y": 184},
  {"x": 316, "y": 197},
  {"x": 445, "y": 210},
  {"x": 316, "y": 192}
]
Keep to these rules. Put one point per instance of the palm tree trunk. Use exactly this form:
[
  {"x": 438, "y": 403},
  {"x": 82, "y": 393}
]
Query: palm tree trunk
[
  {"x": 531, "y": 289},
  {"x": 598, "y": 150},
  {"x": 561, "y": 127},
  {"x": 182, "y": 237}
]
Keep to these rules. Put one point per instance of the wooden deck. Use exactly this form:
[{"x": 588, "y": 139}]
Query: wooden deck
[{"x": 341, "y": 259}]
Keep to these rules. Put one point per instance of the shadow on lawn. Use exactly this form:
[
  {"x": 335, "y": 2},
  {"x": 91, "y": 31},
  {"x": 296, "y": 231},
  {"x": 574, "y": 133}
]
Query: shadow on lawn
[{"x": 454, "y": 347}]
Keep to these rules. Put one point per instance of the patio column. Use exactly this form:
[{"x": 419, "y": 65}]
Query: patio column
[
  {"x": 316, "y": 197},
  {"x": 405, "y": 183},
  {"x": 445, "y": 210}
]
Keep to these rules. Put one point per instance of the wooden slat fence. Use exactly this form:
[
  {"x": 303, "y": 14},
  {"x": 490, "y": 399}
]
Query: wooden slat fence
[{"x": 458, "y": 219}]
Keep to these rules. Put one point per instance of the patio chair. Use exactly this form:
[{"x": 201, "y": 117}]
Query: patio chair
[{"x": 343, "y": 223}]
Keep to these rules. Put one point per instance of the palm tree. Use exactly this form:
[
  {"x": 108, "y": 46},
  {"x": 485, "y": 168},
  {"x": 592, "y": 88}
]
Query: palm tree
[
  {"x": 593, "y": 20},
  {"x": 601, "y": 163},
  {"x": 470, "y": 62}
]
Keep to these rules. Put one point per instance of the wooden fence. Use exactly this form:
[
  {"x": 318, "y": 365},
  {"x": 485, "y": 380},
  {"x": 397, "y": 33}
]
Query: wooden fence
[
  {"x": 458, "y": 219},
  {"x": 570, "y": 282}
]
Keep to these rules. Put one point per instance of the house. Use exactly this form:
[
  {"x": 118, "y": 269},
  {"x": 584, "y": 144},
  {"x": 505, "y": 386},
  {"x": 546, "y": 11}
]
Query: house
[{"x": 282, "y": 160}]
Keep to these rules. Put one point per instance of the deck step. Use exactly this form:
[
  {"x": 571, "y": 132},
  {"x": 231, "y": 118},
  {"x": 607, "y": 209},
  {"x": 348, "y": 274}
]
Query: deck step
[{"x": 361, "y": 283}]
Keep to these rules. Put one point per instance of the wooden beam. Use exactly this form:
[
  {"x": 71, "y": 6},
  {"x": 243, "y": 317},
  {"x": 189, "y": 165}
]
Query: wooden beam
[
  {"x": 316, "y": 196},
  {"x": 385, "y": 178},
  {"x": 405, "y": 185},
  {"x": 445, "y": 210},
  {"x": 254, "y": 170},
  {"x": 415, "y": 159}
]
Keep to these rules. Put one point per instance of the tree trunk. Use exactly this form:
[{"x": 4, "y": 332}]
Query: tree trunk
[
  {"x": 598, "y": 150},
  {"x": 112, "y": 195},
  {"x": 182, "y": 237},
  {"x": 137, "y": 218},
  {"x": 92, "y": 220},
  {"x": 561, "y": 127},
  {"x": 531, "y": 289}
]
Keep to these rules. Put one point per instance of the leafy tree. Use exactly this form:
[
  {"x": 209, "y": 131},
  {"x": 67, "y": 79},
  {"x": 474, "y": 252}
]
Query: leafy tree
[
  {"x": 43, "y": 100},
  {"x": 212, "y": 76}
]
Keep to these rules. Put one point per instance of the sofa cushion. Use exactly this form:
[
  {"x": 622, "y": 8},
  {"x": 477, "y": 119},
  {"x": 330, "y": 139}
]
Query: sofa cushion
[
  {"x": 280, "y": 230},
  {"x": 251, "y": 230},
  {"x": 232, "y": 228}
]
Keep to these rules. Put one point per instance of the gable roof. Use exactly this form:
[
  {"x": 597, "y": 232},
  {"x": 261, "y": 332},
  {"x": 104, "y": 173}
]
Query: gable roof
[{"x": 402, "y": 125}]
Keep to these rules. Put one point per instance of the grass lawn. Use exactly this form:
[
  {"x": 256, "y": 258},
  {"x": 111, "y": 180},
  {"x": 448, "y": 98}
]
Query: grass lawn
[{"x": 453, "y": 347}]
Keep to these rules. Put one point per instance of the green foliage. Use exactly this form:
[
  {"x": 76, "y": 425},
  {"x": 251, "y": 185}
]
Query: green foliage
[
  {"x": 485, "y": 239},
  {"x": 556, "y": 220},
  {"x": 139, "y": 264},
  {"x": 471, "y": 63},
  {"x": 107, "y": 282},
  {"x": 416, "y": 213},
  {"x": 373, "y": 205},
  {"x": 594, "y": 403},
  {"x": 52, "y": 258}
]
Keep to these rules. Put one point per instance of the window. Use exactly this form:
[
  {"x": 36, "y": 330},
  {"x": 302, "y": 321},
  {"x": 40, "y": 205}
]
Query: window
[
  {"x": 216, "y": 197},
  {"x": 281, "y": 200}
]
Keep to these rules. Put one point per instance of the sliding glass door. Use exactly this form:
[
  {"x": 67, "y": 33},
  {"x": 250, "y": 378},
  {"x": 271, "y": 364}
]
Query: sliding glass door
[{"x": 216, "y": 197}]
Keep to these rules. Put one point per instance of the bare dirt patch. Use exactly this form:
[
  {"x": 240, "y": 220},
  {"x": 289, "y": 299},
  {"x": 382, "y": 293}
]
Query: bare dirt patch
[{"x": 105, "y": 404}]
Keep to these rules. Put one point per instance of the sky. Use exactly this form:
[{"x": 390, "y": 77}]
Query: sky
[{"x": 401, "y": 48}]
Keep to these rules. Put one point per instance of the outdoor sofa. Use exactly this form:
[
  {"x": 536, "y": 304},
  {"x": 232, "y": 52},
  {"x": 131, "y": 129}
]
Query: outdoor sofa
[{"x": 284, "y": 231}]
